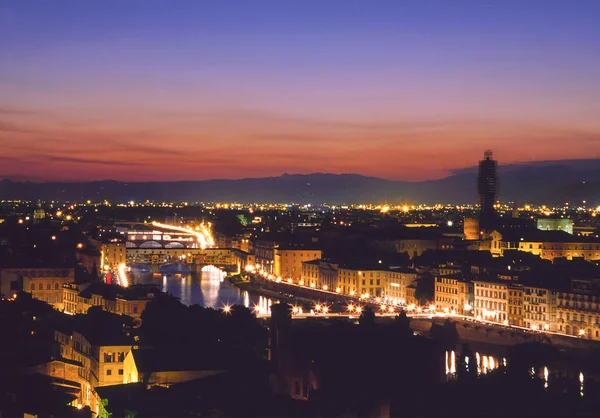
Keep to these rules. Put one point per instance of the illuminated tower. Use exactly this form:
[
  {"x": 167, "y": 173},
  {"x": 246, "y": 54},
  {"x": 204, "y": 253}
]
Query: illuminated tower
[
  {"x": 487, "y": 188},
  {"x": 38, "y": 214}
]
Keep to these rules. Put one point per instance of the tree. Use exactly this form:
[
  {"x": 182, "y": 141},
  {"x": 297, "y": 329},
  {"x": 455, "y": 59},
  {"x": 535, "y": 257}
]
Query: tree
[
  {"x": 401, "y": 324},
  {"x": 367, "y": 317}
]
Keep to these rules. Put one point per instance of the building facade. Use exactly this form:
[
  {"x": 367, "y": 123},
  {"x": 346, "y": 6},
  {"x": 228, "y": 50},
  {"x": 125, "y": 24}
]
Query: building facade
[
  {"x": 43, "y": 283},
  {"x": 539, "y": 308},
  {"x": 491, "y": 301},
  {"x": 107, "y": 363},
  {"x": 112, "y": 254},
  {"x": 288, "y": 261},
  {"x": 454, "y": 294},
  {"x": 78, "y": 298},
  {"x": 515, "y": 305},
  {"x": 396, "y": 283},
  {"x": 348, "y": 281},
  {"x": 578, "y": 309},
  {"x": 320, "y": 274}
]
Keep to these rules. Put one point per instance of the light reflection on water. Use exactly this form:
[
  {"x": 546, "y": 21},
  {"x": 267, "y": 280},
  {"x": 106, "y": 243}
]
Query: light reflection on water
[
  {"x": 483, "y": 363},
  {"x": 209, "y": 288},
  {"x": 487, "y": 363}
]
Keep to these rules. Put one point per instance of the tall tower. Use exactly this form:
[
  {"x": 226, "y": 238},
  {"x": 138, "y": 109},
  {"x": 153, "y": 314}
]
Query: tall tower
[
  {"x": 38, "y": 214},
  {"x": 487, "y": 188}
]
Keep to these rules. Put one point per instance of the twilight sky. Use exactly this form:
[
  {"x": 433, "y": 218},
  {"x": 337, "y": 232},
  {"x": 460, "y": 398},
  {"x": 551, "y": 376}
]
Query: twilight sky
[{"x": 190, "y": 90}]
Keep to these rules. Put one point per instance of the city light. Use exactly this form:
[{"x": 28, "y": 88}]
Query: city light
[
  {"x": 122, "y": 275},
  {"x": 227, "y": 309},
  {"x": 203, "y": 234}
]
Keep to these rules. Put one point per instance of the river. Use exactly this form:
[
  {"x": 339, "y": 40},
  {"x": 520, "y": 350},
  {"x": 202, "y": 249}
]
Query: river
[{"x": 209, "y": 289}]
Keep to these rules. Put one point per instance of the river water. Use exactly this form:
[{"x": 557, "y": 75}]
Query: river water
[{"x": 209, "y": 289}]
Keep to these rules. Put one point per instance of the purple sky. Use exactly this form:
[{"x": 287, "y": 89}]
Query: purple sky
[{"x": 190, "y": 90}]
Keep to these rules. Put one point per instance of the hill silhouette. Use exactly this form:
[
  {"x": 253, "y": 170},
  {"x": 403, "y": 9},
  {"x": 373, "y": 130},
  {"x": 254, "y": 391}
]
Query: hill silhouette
[{"x": 553, "y": 182}]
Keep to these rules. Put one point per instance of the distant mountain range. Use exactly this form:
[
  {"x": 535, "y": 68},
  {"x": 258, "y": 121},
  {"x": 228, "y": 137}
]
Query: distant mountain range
[{"x": 552, "y": 182}]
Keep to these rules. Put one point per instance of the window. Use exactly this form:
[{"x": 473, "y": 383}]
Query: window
[
  {"x": 55, "y": 286},
  {"x": 120, "y": 372},
  {"x": 41, "y": 286},
  {"x": 108, "y": 372},
  {"x": 32, "y": 286}
]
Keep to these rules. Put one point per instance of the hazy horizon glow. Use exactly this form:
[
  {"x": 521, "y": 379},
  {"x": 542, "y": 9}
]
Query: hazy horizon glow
[{"x": 192, "y": 90}]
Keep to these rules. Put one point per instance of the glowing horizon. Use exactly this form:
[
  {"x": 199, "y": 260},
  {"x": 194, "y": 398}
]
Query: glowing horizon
[{"x": 410, "y": 91}]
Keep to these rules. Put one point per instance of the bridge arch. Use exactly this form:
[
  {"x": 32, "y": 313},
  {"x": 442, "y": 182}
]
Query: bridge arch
[
  {"x": 174, "y": 245},
  {"x": 130, "y": 244},
  {"x": 211, "y": 268},
  {"x": 151, "y": 244}
]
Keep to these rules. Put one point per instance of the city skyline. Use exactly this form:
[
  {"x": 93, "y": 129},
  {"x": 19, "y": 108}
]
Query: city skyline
[{"x": 149, "y": 91}]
